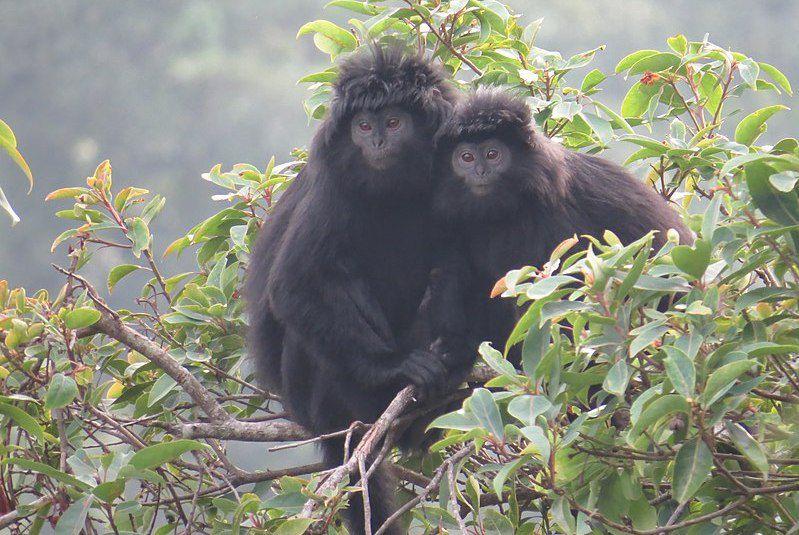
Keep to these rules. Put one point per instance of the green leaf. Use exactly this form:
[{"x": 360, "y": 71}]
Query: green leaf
[
  {"x": 617, "y": 378},
  {"x": 656, "y": 410},
  {"x": 754, "y": 124},
  {"x": 61, "y": 391},
  {"x": 721, "y": 380},
  {"x": 681, "y": 371},
  {"x": 776, "y": 75},
  {"x": 49, "y": 471},
  {"x": 81, "y": 317},
  {"x": 505, "y": 472},
  {"x": 749, "y": 71},
  {"x": 139, "y": 235},
  {"x": 110, "y": 490},
  {"x": 678, "y": 43},
  {"x": 163, "y": 386},
  {"x": 785, "y": 181},
  {"x": 591, "y": 80},
  {"x": 781, "y": 207},
  {"x": 72, "y": 521},
  {"x": 159, "y": 454},
  {"x": 750, "y": 447},
  {"x": 6, "y": 206},
  {"x": 485, "y": 409},
  {"x": 526, "y": 408},
  {"x": 354, "y": 5},
  {"x": 632, "y": 59},
  {"x": 534, "y": 347},
  {"x": 294, "y": 526},
  {"x": 636, "y": 101},
  {"x": 655, "y": 63},
  {"x": 692, "y": 260},
  {"x": 24, "y": 420},
  {"x": 495, "y": 523},
  {"x": 118, "y": 272},
  {"x": 691, "y": 469},
  {"x": 329, "y": 37}
]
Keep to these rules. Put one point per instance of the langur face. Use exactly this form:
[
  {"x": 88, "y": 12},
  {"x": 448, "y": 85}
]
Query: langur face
[
  {"x": 382, "y": 135},
  {"x": 481, "y": 164}
]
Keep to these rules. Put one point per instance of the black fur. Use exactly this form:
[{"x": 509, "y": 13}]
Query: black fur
[
  {"x": 547, "y": 195},
  {"x": 340, "y": 270}
]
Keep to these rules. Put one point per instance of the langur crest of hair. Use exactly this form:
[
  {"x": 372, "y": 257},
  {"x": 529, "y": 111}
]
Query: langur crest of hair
[
  {"x": 380, "y": 76},
  {"x": 492, "y": 112}
]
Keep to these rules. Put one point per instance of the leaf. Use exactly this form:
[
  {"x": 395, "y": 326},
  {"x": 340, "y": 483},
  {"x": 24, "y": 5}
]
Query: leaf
[
  {"x": 617, "y": 378},
  {"x": 356, "y": 6},
  {"x": 749, "y": 71},
  {"x": 754, "y": 124},
  {"x": 118, "y": 272},
  {"x": 534, "y": 347},
  {"x": 110, "y": 490},
  {"x": 24, "y": 420},
  {"x": 785, "y": 181},
  {"x": 658, "y": 409},
  {"x": 692, "y": 260},
  {"x": 632, "y": 59},
  {"x": 777, "y": 76},
  {"x": 49, "y": 471},
  {"x": 538, "y": 440},
  {"x": 81, "y": 317},
  {"x": 504, "y": 473},
  {"x": 720, "y": 381},
  {"x": 750, "y": 447},
  {"x": 591, "y": 80},
  {"x": 526, "y": 408},
  {"x": 636, "y": 101},
  {"x": 680, "y": 370},
  {"x": 340, "y": 39},
  {"x": 294, "y": 526},
  {"x": 485, "y": 409},
  {"x": 691, "y": 469},
  {"x": 61, "y": 391},
  {"x": 72, "y": 521},
  {"x": 495, "y": 523},
  {"x": 163, "y": 386},
  {"x": 65, "y": 193},
  {"x": 139, "y": 235},
  {"x": 159, "y": 454},
  {"x": 655, "y": 63},
  {"x": 778, "y": 206},
  {"x": 678, "y": 43},
  {"x": 6, "y": 206}
]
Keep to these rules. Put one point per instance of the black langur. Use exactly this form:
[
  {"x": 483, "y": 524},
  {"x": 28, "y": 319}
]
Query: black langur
[
  {"x": 341, "y": 268},
  {"x": 510, "y": 196}
]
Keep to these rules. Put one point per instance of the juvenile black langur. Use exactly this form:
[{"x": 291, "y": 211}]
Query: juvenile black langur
[
  {"x": 510, "y": 196},
  {"x": 341, "y": 268}
]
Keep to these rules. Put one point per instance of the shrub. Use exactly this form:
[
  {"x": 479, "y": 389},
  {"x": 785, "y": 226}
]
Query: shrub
[{"x": 624, "y": 418}]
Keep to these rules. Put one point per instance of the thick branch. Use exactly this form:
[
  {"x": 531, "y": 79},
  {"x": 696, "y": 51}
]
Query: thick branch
[
  {"x": 247, "y": 431},
  {"x": 366, "y": 447}
]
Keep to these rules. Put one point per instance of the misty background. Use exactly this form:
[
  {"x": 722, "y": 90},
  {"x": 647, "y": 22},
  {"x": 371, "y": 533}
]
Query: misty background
[{"x": 167, "y": 89}]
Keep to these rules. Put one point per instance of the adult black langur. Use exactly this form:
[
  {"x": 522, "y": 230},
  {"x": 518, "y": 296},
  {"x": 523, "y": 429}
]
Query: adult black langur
[
  {"x": 510, "y": 196},
  {"x": 339, "y": 272}
]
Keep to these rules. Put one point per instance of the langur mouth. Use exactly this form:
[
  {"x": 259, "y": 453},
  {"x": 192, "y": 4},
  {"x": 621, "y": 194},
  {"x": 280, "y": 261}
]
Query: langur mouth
[{"x": 379, "y": 158}]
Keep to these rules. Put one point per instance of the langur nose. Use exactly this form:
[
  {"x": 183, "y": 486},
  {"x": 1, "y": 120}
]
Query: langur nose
[
  {"x": 378, "y": 143},
  {"x": 480, "y": 171}
]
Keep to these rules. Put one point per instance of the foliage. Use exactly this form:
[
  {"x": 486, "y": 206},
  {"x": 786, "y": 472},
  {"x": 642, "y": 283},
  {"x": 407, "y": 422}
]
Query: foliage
[
  {"x": 8, "y": 142},
  {"x": 658, "y": 391}
]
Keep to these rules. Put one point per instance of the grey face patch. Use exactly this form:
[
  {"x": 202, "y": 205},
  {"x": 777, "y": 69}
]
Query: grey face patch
[
  {"x": 481, "y": 164},
  {"x": 381, "y": 135}
]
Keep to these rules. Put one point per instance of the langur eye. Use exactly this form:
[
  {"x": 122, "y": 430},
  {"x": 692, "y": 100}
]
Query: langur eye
[
  {"x": 364, "y": 126},
  {"x": 393, "y": 123},
  {"x": 467, "y": 157},
  {"x": 492, "y": 154}
]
